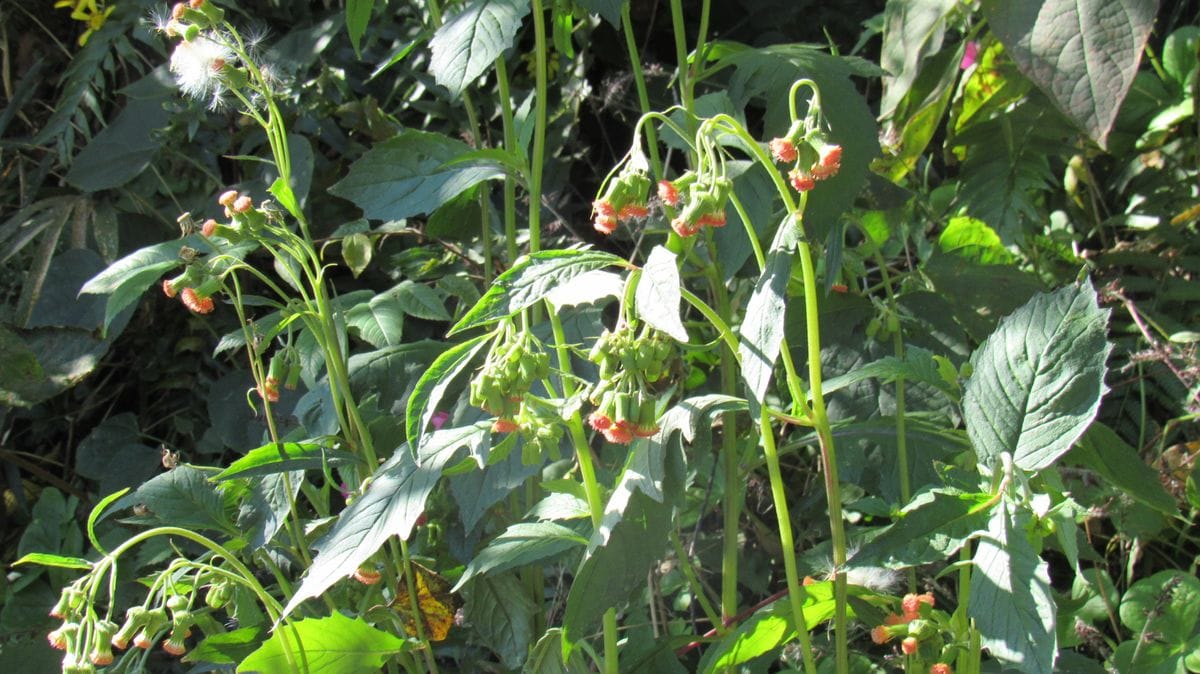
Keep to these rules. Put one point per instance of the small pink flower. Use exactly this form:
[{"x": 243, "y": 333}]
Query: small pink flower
[
  {"x": 439, "y": 419},
  {"x": 970, "y": 55}
]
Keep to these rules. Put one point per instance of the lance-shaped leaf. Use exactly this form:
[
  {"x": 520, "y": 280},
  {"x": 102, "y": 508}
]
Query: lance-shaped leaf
[
  {"x": 521, "y": 544},
  {"x": 389, "y": 507},
  {"x": 1082, "y": 53},
  {"x": 332, "y": 645},
  {"x": 657, "y": 296},
  {"x": 1011, "y": 599},
  {"x": 1038, "y": 379},
  {"x": 769, "y": 628},
  {"x": 468, "y": 43},
  {"x": 408, "y": 175},
  {"x": 929, "y": 529},
  {"x": 283, "y": 457},
  {"x": 763, "y": 327},
  {"x": 531, "y": 279}
]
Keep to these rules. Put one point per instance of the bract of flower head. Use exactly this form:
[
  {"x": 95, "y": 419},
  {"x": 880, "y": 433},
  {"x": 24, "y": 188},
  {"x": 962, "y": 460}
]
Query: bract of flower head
[{"x": 197, "y": 66}]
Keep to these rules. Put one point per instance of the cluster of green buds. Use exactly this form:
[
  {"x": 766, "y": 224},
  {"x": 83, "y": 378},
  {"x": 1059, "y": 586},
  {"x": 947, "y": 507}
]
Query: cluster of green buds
[
  {"x": 511, "y": 369},
  {"x": 84, "y": 638},
  {"x": 629, "y": 364},
  {"x": 189, "y": 19},
  {"x": 541, "y": 429},
  {"x": 811, "y": 154},
  {"x": 194, "y": 287},
  {"x": 701, "y": 200},
  {"x": 284, "y": 369},
  {"x": 624, "y": 199}
]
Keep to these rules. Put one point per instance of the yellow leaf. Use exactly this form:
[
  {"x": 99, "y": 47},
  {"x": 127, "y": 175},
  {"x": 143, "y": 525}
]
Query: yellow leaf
[{"x": 437, "y": 605}]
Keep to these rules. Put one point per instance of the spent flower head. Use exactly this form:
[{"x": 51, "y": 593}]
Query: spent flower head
[{"x": 198, "y": 65}]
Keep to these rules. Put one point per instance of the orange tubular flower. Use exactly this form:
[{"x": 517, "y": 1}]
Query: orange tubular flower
[
  {"x": 828, "y": 163},
  {"x": 196, "y": 303},
  {"x": 880, "y": 635},
  {"x": 169, "y": 291},
  {"x": 783, "y": 150},
  {"x": 910, "y": 645},
  {"x": 599, "y": 421}
]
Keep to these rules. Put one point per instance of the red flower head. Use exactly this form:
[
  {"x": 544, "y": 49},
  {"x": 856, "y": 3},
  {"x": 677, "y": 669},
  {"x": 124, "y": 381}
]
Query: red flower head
[
  {"x": 196, "y": 303},
  {"x": 599, "y": 421},
  {"x": 227, "y": 198},
  {"x": 504, "y": 426},
  {"x": 684, "y": 228},
  {"x": 829, "y": 162},
  {"x": 633, "y": 211},
  {"x": 242, "y": 204},
  {"x": 941, "y": 668},
  {"x": 910, "y": 645},
  {"x": 169, "y": 291},
  {"x": 802, "y": 181},
  {"x": 668, "y": 192},
  {"x": 880, "y": 635},
  {"x": 619, "y": 433},
  {"x": 911, "y": 604},
  {"x": 714, "y": 219},
  {"x": 783, "y": 150},
  {"x": 208, "y": 227}
]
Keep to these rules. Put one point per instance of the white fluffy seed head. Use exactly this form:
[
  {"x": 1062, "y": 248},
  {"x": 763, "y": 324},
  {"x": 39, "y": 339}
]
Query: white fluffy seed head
[{"x": 197, "y": 66}]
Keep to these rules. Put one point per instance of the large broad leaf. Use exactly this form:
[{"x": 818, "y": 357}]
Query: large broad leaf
[
  {"x": 763, "y": 326},
  {"x": 181, "y": 497},
  {"x": 1011, "y": 598},
  {"x": 658, "y": 295},
  {"x": 332, "y": 645},
  {"x": 531, "y": 279},
  {"x": 1102, "y": 450},
  {"x": 1082, "y": 53},
  {"x": 275, "y": 458},
  {"x": 930, "y": 528},
  {"x": 408, "y": 175},
  {"x": 912, "y": 30},
  {"x": 520, "y": 544},
  {"x": 501, "y": 613},
  {"x": 769, "y": 628},
  {"x": 1038, "y": 379},
  {"x": 122, "y": 150},
  {"x": 389, "y": 507},
  {"x": 469, "y": 42},
  {"x": 615, "y": 566},
  {"x": 126, "y": 279}
]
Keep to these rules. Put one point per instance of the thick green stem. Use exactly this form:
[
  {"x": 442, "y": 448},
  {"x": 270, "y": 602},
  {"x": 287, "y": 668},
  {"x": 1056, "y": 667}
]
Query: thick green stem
[
  {"x": 796, "y": 592},
  {"x": 833, "y": 492},
  {"x": 536, "y": 163},
  {"x": 639, "y": 80},
  {"x": 510, "y": 145}
]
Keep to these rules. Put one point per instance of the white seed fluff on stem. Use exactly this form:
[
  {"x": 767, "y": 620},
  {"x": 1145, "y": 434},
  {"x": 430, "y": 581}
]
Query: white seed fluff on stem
[{"x": 197, "y": 66}]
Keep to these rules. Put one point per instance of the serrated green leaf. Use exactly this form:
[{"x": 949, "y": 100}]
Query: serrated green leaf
[
  {"x": 769, "y": 628},
  {"x": 1082, "y": 53},
  {"x": 57, "y": 561},
  {"x": 126, "y": 279},
  {"x": 468, "y": 43},
  {"x": 931, "y": 528},
  {"x": 390, "y": 506},
  {"x": 357, "y": 252},
  {"x": 406, "y": 176},
  {"x": 658, "y": 295},
  {"x": 1011, "y": 598},
  {"x": 379, "y": 322},
  {"x": 332, "y": 645},
  {"x": 227, "y": 648},
  {"x": 520, "y": 544},
  {"x": 1038, "y": 380},
  {"x": 974, "y": 240},
  {"x": 285, "y": 457},
  {"x": 531, "y": 279},
  {"x": 500, "y": 610},
  {"x": 181, "y": 497},
  {"x": 762, "y": 328},
  {"x": 421, "y": 301}
]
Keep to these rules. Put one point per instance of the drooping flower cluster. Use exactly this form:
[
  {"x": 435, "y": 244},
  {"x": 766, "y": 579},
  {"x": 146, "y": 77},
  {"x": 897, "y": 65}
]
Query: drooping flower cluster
[
  {"x": 700, "y": 200},
  {"x": 624, "y": 199},
  {"x": 812, "y": 156},
  {"x": 629, "y": 363},
  {"x": 512, "y": 367}
]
